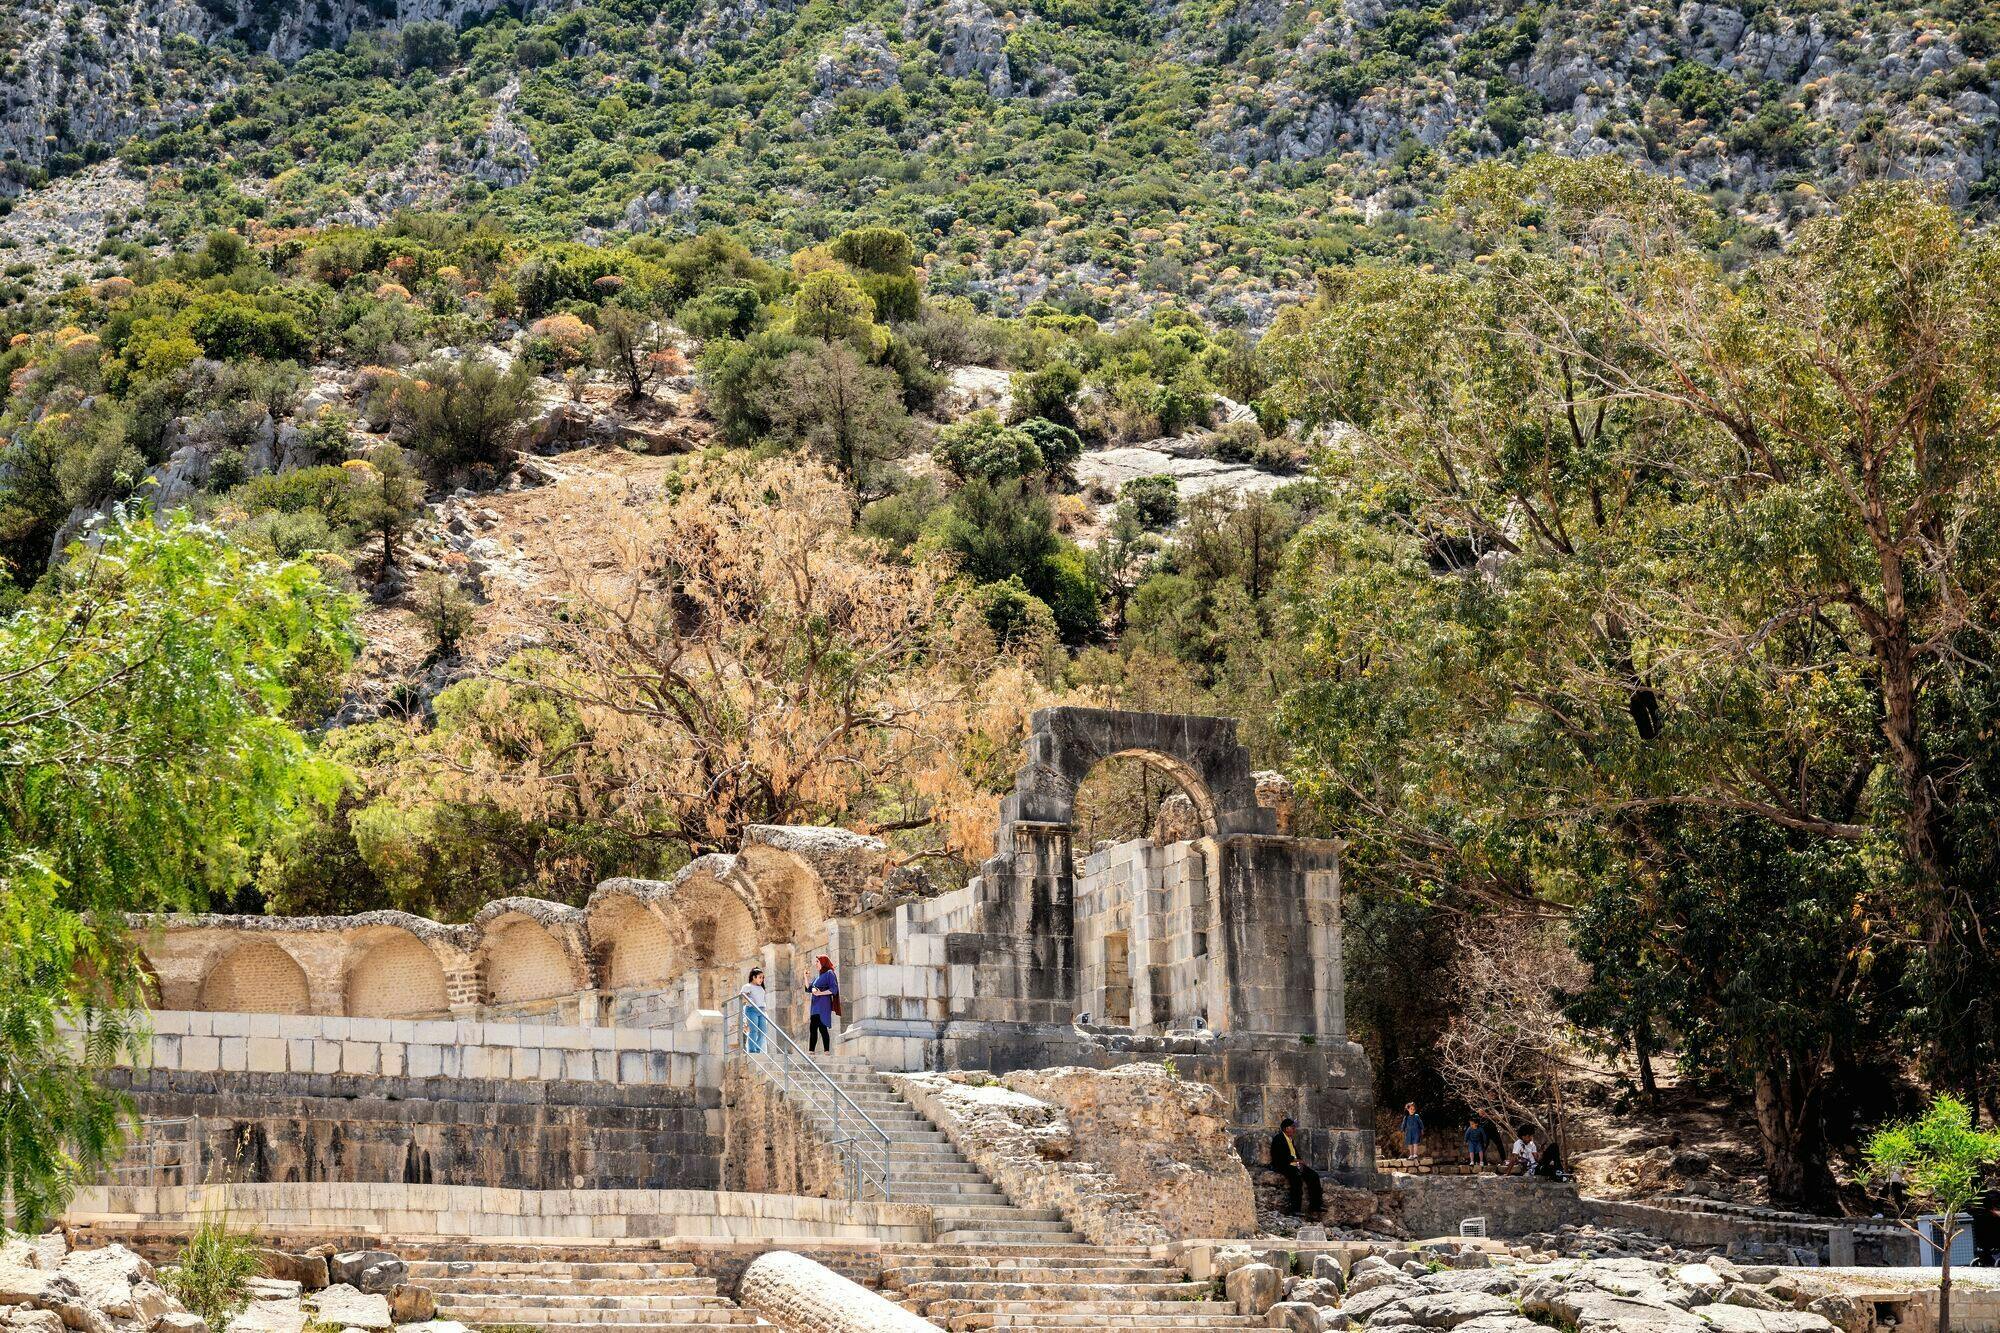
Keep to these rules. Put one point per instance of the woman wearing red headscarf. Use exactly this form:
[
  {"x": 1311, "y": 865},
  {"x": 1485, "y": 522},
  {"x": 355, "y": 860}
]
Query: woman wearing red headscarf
[{"x": 825, "y": 1004}]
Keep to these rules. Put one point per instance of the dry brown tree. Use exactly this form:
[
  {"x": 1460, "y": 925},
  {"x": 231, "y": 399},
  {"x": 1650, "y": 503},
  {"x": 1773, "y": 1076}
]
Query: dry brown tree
[
  {"x": 736, "y": 654},
  {"x": 1509, "y": 1053}
]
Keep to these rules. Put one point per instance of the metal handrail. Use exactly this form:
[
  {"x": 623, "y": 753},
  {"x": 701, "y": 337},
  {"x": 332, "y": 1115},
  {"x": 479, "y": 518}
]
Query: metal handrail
[
  {"x": 862, "y": 1145},
  {"x": 150, "y": 1158}
]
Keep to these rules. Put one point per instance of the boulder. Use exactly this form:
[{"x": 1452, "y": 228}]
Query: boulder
[
  {"x": 21, "y": 1285},
  {"x": 1444, "y": 1309},
  {"x": 180, "y": 1321},
  {"x": 1844, "y": 1312},
  {"x": 1746, "y": 1319},
  {"x": 1326, "y": 1268},
  {"x": 1362, "y": 1306},
  {"x": 348, "y": 1307},
  {"x": 1298, "y": 1316},
  {"x": 107, "y": 1279},
  {"x": 411, "y": 1304},
  {"x": 1254, "y": 1288},
  {"x": 43, "y": 1252},
  {"x": 21, "y": 1319},
  {"x": 1313, "y": 1291},
  {"x": 369, "y": 1270},
  {"x": 308, "y": 1270}
]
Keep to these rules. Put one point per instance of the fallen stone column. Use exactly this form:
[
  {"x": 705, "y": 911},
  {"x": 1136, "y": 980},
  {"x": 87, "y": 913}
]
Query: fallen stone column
[{"x": 795, "y": 1293}]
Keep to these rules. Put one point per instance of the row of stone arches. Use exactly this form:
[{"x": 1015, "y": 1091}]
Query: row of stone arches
[{"x": 715, "y": 916}]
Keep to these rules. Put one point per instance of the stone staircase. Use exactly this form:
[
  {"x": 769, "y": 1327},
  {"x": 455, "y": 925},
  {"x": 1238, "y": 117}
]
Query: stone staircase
[
  {"x": 1054, "y": 1289},
  {"x": 925, "y": 1168},
  {"x": 558, "y": 1296}
]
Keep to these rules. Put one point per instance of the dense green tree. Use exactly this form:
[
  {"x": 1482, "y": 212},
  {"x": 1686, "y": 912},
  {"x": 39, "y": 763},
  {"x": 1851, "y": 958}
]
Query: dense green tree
[
  {"x": 1621, "y": 532},
  {"x": 147, "y": 760}
]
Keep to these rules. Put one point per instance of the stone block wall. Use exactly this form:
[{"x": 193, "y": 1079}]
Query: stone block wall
[
  {"x": 769, "y": 1146},
  {"x": 432, "y": 1048},
  {"x": 444, "y": 1211},
  {"x": 496, "y": 1133}
]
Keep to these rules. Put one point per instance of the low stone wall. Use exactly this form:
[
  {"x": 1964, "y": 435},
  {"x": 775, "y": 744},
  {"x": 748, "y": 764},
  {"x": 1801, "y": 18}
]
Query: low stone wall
[
  {"x": 438, "y": 1211},
  {"x": 769, "y": 1146},
  {"x": 433, "y": 1048},
  {"x": 1511, "y": 1205},
  {"x": 1695, "y": 1227},
  {"x": 795, "y": 1293},
  {"x": 280, "y": 1128}
]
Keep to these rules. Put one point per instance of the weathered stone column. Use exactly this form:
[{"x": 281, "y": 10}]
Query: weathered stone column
[{"x": 795, "y": 1293}]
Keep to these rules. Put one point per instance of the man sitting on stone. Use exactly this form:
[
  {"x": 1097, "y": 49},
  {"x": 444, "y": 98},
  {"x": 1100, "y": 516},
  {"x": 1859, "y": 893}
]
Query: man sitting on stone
[{"x": 1304, "y": 1181}]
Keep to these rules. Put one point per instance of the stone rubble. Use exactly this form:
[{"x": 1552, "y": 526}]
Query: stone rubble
[
  {"x": 1478, "y": 1288},
  {"x": 47, "y": 1288}
]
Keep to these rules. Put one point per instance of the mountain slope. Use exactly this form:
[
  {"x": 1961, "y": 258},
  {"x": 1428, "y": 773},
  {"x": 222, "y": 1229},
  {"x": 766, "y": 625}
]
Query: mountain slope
[{"x": 1104, "y": 154}]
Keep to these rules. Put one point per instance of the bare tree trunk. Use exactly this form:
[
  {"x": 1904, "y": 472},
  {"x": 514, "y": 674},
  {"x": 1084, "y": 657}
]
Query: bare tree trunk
[{"x": 1642, "y": 1051}]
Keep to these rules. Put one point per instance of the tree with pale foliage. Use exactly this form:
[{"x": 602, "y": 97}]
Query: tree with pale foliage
[
  {"x": 144, "y": 760},
  {"x": 1940, "y": 1158},
  {"x": 733, "y": 655},
  {"x": 1509, "y": 1053}
]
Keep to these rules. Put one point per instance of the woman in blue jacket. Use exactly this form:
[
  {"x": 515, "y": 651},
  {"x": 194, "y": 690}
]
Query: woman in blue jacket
[{"x": 825, "y": 1004}]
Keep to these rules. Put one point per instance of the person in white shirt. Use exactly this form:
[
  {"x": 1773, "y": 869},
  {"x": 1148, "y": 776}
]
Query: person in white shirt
[
  {"x": 756, "y": 1004},
  {"x": 1525, "y": 1153}
]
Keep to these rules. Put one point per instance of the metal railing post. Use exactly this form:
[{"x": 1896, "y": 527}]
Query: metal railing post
[{"x": 862, "y": 1146}]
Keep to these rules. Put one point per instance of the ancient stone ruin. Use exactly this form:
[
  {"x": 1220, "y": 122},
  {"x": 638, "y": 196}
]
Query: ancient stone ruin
[{"x": 542, "y": 1046}]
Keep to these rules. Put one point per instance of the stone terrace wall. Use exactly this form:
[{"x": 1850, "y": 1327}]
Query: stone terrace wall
[
  {"x": 392, "y": 1210},
  {"x": 419, "y": 1048},
  {"x": 457, "y": 1102},
  {"x": 542, "y": 1134}
]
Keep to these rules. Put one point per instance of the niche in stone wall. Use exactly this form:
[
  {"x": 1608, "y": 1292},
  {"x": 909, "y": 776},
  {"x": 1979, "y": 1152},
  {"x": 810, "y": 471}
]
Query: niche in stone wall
[
  {"x": 525, "y": 962},
  {"x": 638, "y": 950},
  {"x": 719, "y": 931},
  {"x": 395, "y": 975},
  {"x": 256, "y": 977}
]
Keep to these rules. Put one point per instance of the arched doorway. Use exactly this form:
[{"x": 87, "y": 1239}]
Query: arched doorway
[{"x": 256, "y": 977}]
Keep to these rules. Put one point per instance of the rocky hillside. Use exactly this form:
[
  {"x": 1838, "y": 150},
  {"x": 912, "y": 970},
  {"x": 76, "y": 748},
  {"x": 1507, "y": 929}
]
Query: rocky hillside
[{"x": 1104, "y": 156}]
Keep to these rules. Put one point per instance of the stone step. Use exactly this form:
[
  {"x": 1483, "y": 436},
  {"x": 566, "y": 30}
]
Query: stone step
[
  {"x": 1087, "y": 1314},
  {"x": 1067, "y": 1323},
  {"x": 986, "y": 1238},
  {"x": 997, "y": 1294},
  {"x": 430, "y": 1268},
  {"x": 980, "y": 1211},
  {"x": 609, "y": 1288},
  {"x": 721, "y": 1313},
  {"x": 961, "y": 1270},
  {"x": 583, "y": 1299},
  {"x": 668, "y": 1324},
  {"x": 1221, "y": 1316}
]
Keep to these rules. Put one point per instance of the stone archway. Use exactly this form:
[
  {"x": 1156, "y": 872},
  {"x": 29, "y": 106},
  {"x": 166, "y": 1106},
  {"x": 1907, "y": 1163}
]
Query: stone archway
[
  {"x": 525, "y": 961},
  {"x": 634, "y": 947},
  {"x": 1201, "y": 754},
  {"x": 717, "y": 923},
  {"x": 395, "y": 975},
  {"x": 256, "y": 977}
]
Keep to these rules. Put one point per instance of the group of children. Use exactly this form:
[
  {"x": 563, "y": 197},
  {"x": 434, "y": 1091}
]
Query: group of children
[{"x": 1526, "y": 1157}]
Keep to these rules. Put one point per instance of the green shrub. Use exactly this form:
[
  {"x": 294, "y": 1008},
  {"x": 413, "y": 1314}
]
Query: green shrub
[{"x": 211, "y": 1277}]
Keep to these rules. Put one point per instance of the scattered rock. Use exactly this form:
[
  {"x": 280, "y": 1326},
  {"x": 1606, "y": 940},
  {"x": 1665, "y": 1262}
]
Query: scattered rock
[
  {"x": 370, "y": 1270},
  {"x": 308, "y": 1270},
  {"x": 350, "y": 1308},
  {"x": 1254, "y": 1288},
  {"x": 411, "y": 1304}
]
